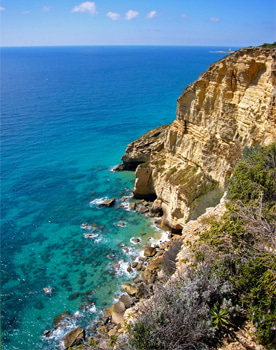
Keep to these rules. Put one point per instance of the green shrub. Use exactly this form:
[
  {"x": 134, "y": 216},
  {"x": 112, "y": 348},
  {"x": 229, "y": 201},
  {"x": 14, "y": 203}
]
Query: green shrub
[
  {"x": 231, "y": 275},
  {"x": 255, "y": 175}
]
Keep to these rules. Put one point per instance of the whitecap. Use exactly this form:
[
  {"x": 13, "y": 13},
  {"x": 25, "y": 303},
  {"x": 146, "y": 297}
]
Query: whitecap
[
  {"x": 60, "y": 332},
  {"x": 78, "y": 314},
  {"x": 100, "y": 239},
  {"x": 120, "y": 224},
  {"x": 122, "y": 269},
  {"x": 125, "y": 205},
  {"x": 90, "y": 235},
  {"x": 164, "y": 234},
  {"x": 129, "y": 251},
  {"x": 132, "y": 240},
  {"x": 93, "y": 309},
  {"x": 97, "y": 201},
  {"x": 112, "y": 169},
  {"x": 87, "y": 227}
]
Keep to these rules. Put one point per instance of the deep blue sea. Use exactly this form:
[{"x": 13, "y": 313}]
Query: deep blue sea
[{"x": 67, "y": 115}]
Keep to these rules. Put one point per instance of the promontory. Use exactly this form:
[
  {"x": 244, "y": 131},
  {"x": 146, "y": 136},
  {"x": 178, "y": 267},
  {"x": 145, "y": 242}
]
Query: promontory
[{"x": 184, "y": 166}]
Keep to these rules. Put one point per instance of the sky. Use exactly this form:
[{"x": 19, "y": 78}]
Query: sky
[{"x": 235, "y": 23}]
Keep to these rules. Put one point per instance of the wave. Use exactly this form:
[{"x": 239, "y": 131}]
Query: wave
[{"x": 96, "y": 201}]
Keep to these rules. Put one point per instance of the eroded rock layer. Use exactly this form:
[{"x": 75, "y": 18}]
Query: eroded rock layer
[{"x": 185, "y": 165}]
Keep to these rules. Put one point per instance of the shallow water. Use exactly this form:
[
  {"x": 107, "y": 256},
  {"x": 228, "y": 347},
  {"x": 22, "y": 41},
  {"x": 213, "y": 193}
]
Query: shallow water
[{"x": 67, "y": 115}]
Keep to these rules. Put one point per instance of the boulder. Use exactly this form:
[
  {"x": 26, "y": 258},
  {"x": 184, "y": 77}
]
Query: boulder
[
  {"x": 129, "y": 289},
  {"x": 132, "y": 206},
  {"x": 143, "y": 209},
  {"x": 59, "y": 318},
  {"x": 150, "y": 273},
  {"x": 126, "y": 300},
  {"x": 149, "y": 251},
  {"x": 119, "y": 307},
  {"x": 73, "y": 338},
  {"x": 142, "y": 291},
  {"x": 156, "y": 209},
  {"x": 107, "y": 203},
  {"x": 118, "y": 318},
  {"x": 115, "y": 313}
]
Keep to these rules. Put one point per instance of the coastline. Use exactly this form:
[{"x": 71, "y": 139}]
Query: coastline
[{"x": 104, "y": 327}]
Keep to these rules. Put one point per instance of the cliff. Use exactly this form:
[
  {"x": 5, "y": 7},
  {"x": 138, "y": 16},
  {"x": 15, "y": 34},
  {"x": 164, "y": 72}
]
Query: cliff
[{"x": 185, "y": 166}]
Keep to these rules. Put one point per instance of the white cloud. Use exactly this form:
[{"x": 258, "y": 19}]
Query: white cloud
[
  {"x": 87, "y": 6},
  {"x": 151, "y": 14},
  {"x": 184, "y": 15},
  {"x": 2, "y": 9},
  {"x": 46, "y": 8},
  {"x": 114, "y": 16},
  {"x": 131, "y": 15},
  {"x": 214, "y": 19},
  {"x": 26, "y": 12}
]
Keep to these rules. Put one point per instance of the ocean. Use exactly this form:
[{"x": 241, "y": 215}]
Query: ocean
[{"x": 67, "y": 115}]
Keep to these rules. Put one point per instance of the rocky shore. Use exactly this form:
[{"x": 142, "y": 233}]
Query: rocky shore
[
  {"x": 182, "y": 169},
  {"x": 149, "y": 270}
]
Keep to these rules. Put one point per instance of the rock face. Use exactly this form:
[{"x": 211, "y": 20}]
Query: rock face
[{"x": 185, "y": 165}]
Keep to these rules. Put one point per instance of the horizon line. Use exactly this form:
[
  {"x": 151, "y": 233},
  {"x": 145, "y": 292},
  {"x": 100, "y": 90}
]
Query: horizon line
[{"x": 124, "y": 45}]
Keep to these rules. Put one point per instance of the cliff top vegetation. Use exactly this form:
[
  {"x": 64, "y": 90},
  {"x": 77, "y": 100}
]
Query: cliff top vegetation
[
  {"x": 229, "y": 276},
  {"x": 269, "y": 46}
]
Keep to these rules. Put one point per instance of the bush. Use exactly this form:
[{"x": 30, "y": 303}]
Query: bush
[
  {"x": 181, "y": 313},
  {"x": 255, "y": 175},
  {"x": 231, "y": 275}
]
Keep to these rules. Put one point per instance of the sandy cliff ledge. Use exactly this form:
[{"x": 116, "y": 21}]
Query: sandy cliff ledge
[{"x": 185, "y": 165}]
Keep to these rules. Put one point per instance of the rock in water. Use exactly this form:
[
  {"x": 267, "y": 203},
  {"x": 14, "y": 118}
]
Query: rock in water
[
  {"x": 60, "y": 318},
  {"x": 73, "y": 338},
  {"x": 107, "y": 203}
]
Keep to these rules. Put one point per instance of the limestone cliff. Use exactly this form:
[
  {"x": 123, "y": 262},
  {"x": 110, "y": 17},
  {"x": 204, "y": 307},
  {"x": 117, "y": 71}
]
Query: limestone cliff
[{"x": 185, "y": 165}]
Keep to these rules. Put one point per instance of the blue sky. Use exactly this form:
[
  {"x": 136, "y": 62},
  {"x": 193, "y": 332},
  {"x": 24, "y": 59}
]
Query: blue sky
[{"x": 137, "y": 22}]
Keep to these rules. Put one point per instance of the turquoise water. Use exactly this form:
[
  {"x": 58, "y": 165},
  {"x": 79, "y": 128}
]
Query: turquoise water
[{"x": 67, "y": 115}]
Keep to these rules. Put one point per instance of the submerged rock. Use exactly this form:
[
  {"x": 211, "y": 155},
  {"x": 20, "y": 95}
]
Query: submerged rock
[{"x": 73, "y": 296}]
